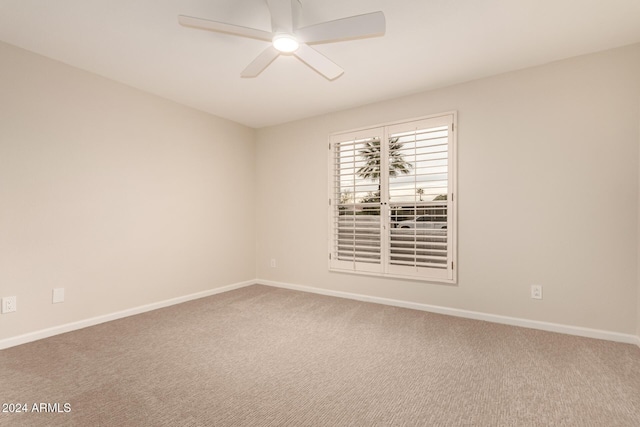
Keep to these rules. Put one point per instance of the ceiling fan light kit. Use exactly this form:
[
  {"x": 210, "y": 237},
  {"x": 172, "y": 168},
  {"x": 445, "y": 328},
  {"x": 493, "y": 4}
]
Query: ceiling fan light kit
[
  {"x": 285, "y": 43},
  {"x": 286, "y": 38}
]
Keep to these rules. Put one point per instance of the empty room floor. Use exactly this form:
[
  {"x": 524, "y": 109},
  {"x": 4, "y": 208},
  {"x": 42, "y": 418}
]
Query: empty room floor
[{"x": 265, "y": 356}]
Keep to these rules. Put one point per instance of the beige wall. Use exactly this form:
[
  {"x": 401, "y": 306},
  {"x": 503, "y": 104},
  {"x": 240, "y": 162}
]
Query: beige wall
[
  {"x": 126, "y": 199},
  {"x": 547, "y": 190},
  {"x": 120, "y": 197}
]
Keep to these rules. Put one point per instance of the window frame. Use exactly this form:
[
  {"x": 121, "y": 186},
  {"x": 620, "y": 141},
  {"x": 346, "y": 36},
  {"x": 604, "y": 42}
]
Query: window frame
[{"x": 385, "y": 268}]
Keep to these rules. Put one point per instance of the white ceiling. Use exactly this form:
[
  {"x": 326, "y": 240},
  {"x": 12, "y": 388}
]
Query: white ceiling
[{"x": 428, "y": 44}]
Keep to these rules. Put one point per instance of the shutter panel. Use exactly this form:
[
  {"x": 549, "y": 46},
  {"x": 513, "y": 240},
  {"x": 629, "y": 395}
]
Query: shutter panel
[
  {"x": 356, "y": 211},
  {"x": 419, "y": 189}
]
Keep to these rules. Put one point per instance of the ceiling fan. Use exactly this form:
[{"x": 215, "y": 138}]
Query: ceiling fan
[{"x": 287, "y": 39}]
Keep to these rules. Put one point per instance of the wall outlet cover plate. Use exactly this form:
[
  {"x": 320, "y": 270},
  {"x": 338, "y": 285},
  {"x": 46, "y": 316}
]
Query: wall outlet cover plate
[
  {"x": 9, "y": 305},
  {"x": 58, "y": 295}
]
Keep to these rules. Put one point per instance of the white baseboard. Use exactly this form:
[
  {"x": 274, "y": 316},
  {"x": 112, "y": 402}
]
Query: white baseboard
[
  {"x": 68, "y": 327},
  {"x": 514, "y": 321},
  {"x": 495, "y": 318}
]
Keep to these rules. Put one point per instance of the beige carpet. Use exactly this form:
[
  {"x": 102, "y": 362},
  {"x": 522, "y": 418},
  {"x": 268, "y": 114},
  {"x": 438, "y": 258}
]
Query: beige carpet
[{"x": 263, "y": 356}]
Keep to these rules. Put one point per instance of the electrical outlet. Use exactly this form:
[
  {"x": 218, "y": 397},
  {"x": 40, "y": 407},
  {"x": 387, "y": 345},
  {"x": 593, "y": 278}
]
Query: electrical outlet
[
  {"x": 273, "y": 263},
  {"x": 9, "y": 305},
  {"x": 536, "y": 291}
]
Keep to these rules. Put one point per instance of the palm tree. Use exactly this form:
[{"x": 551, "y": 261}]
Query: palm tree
[
  {"x": 371, "y": 170},
  {"x": 372, "y": 154},
  {"x": 420, "y": 192}
]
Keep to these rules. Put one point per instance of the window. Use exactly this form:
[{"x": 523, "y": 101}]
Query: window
[{"x": 391, "y": 206}]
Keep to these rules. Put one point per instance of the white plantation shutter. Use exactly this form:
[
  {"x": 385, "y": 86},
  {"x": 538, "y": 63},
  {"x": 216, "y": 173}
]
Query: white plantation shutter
[
  {"x": 392, "y": 206},
  {"x": 356, "y": 217},
  {"x": 419, "y": 200}
]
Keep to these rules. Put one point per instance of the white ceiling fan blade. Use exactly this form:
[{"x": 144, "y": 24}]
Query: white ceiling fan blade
[
  {"x": 261, "y": 62},
  {"x": 354, "y": 27},
  {"x": 221, "y": 27},
  {"x": 318, "y": 62}
]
